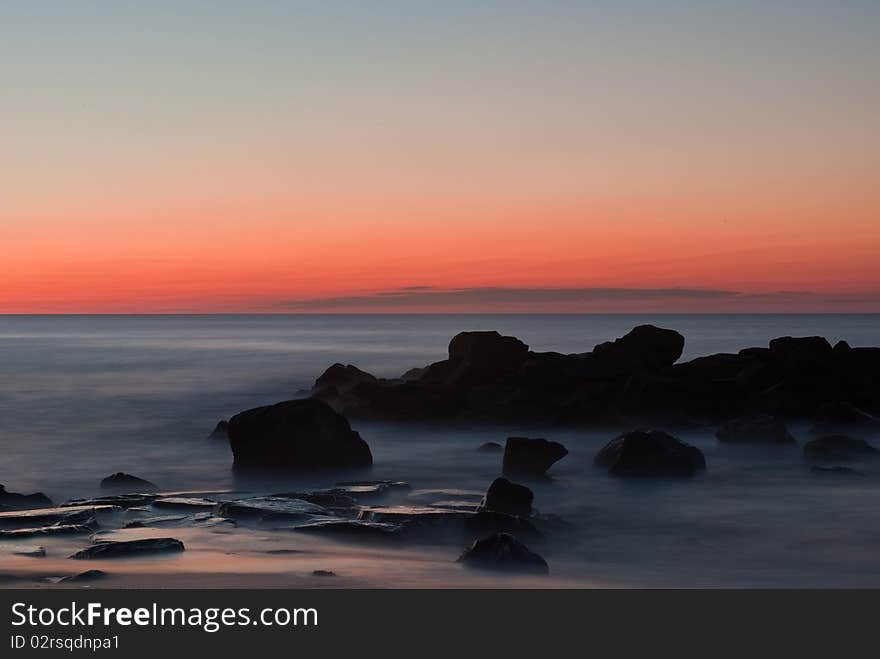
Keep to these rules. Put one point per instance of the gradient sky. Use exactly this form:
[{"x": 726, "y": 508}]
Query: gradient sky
[{"x": 345, "y": 156}]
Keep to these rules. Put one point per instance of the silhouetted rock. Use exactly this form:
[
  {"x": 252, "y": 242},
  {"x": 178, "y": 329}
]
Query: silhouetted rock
[
  {"x": 221, "y": 430},
  {"x": 643, "y": 348},
  {"x": 16, "y": 501},
  {"x": 835, "y": 471},
  {"x": 323, "y": 573},
  {"x": 650, "y": 453},
  {"x": 501, "y": 551},
  {"x": 531, "y": 456},
  {"x": 298, "y": 435},
  {"x": 490, "y": 447},
  {"x": 762, "y": 429},
  {"x": 343, "y": 379},
  {"x": 795, "y": 351},
  {"x": 838, "y": 447},
  {"x": 841, "y": 415},
  {"x": 39, "y": 552},
  {"x": 477, "y": 357},
  {"x": 124, "y": 548},
  {"x": 504, "y": 496},
  {"x": 123, "y": 481}
]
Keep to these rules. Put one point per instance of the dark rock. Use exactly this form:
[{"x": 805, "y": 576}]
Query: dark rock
[
  {"x": 490, "y": 447},
  {"x": 835, "y": 471},
  {"x": 477, "y": 357},
  {"x": 268, "y": 508},
  {"x": 40, "y": 531},
  {"x": 650, "y": 453},
  {"x": 122, "y": 481},
  {"x": 505, "y": 496},
  {"x": 342, "y": 379},
  {"x": 120, "y": 500},
  {"x": 125, "y": 548},
  {"x": 350, "y": 529},
  {"x": 798, "y": 350},
  {"x": 39, "y": 552},
  {"x": 185, "y": 503},
  {"x": 643, "y": 348},
  {"x": 331, "y": 499},
  {"x": 323, "y": 573},
  {"x": 501, "y": 551},
  {"x": 88, "y": 575},
  {"x": 486, "y": 522},
  {"x": 221, "y": 430},
  {"x": 160, "y": 520},
  {"x": 839, "y": 415},
  {"x": 761, "y": 429},
  {"x": 531, "y": 456},
  {"x": 419, "y": 522},
  {"x": 838, "y": 447},
  {"x": 47, "y": 516},
  {"x": 15, "y": 501},
  {"x": 296, "y": 435}
]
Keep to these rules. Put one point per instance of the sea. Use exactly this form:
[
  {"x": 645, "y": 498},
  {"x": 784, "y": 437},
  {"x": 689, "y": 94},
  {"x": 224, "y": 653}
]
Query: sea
[{"x": 82, "y": 397}]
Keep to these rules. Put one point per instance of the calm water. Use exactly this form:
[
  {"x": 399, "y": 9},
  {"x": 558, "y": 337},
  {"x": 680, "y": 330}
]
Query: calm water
[{"x": 82, "y": 397}]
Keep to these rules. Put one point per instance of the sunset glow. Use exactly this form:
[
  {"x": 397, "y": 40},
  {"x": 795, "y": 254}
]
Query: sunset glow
[{"x": 201, "y": 160}]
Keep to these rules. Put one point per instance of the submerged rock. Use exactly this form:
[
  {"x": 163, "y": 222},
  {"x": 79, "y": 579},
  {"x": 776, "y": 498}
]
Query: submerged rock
[
  {"x": 531, "y": 456},
  {"x": 39, "y": 552},
  {"x": 350, "y": 528},
  {"x": 835, "y": 471},
  {"x": 501, "y": 551},
  {"x": 419, "y": 522},
  {"x": 505, "y": 496},
  {"x": 838, "y": 447},
  {"x": 486, "y": 522},
  {"x": 323, "y": 573},
  {"x": 490, "y": 447},
  {"x": 123, "y": 481},
  {"x": 650, "y": 453},
  {"x": 160, "y": 520},
  {"x": 297, "y": 435},
  {"x": 125, "y": 548},
  {"x": 761, "y": 429},
  {"x": 16, "y": 501},
  {"x": 340, "y": 379},
  {"x": 88, "y": 575},
  {"x": 838, "y": 415}
]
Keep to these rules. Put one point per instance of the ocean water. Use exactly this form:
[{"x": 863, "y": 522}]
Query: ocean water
[{"x": 85, "y": 396}]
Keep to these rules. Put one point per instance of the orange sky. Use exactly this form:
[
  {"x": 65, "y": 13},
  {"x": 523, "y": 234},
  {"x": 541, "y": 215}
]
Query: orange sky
[{"x": 266, "y": 165}]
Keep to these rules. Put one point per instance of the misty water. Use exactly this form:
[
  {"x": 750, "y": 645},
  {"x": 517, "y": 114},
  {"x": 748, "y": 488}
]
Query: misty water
[{"x": 82, "y": 397}]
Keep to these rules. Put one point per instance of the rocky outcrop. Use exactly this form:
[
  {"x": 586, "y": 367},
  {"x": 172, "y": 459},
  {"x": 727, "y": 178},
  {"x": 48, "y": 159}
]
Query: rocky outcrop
[
  {"x": 839, "y": 447},
  {"x": 502, "y": 551},
  {"x": 296, "y": 435},
  {"x": 650, "y": 453},
  {"x": 128, "y": 483},
  {"x": 16, "y": 501},
  {"x": 530, "y": 457},
  {"x": 762, "y": 429},
  {"x": 125, "y": 548},
  {"x": 839, "y": 416},
  {"x": 504, "y": 496},
  {"x": 635, "y": 379},
  {"x": 221, "y": 430}
]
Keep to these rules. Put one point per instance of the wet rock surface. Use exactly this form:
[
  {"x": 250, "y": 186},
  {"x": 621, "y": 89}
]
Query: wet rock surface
[
  {"x": 296, "y": 435},
  {"x": 839, "y": 447},
  {"x": 642, "y": 453},
  {"x": 530, "y": 457},
  {"x": 761, "y": 429}
]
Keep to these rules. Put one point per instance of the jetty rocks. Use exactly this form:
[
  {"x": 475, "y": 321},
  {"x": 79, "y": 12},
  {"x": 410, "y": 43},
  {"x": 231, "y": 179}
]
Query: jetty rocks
[
  {"x": 296, "y": 435},
  {"x": 636, "y": 379}
]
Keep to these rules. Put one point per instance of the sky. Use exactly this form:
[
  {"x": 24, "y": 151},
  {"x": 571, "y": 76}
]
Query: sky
[{"x": 302, "y": 157}]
